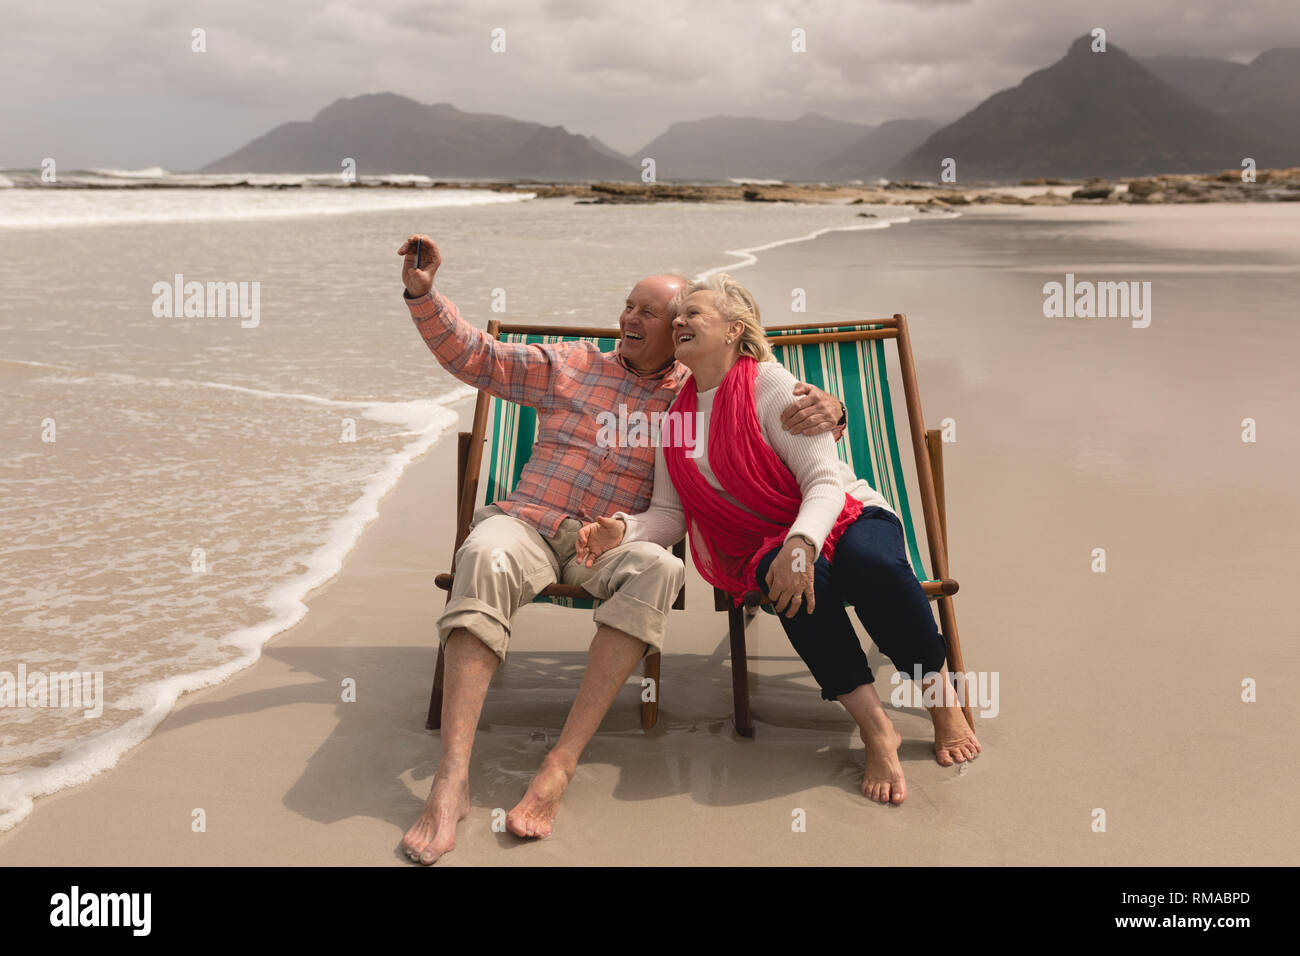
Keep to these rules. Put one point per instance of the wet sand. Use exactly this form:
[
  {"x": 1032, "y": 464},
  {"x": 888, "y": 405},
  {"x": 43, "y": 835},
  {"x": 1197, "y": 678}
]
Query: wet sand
[{"x": 1119, "y": 691}]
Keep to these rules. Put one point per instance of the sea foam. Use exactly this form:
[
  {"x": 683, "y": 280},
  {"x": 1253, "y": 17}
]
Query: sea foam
[{"x": 427, "y": 420}]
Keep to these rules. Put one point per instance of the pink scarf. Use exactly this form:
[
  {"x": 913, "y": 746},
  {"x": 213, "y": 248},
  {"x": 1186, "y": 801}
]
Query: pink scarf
[{"x": 727, "y": 541}]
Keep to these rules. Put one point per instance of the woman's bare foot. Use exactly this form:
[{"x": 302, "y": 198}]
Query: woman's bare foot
[
  {"x": 534, "y": 815},
  {"x": 954, "y": 741},
  {"x": 883, "y": 781},
  {"x": 435, "y": 832}
]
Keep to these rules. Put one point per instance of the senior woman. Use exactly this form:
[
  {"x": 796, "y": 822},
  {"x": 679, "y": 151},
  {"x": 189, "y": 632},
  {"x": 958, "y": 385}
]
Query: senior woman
[{"x": 768, "y": 509}]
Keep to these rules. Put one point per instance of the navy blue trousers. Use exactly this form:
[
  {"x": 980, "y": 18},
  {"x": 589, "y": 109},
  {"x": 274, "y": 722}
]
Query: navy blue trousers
[{"x": 870, "y": 572}]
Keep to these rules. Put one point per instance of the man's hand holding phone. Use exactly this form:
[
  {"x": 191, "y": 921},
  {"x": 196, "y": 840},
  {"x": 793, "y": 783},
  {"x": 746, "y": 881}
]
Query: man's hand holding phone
[{"x": 421, "y": 262}]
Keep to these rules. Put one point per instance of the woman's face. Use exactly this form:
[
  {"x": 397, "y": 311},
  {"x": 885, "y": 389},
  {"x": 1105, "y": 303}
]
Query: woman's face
[{"x": 700, "y": 332}]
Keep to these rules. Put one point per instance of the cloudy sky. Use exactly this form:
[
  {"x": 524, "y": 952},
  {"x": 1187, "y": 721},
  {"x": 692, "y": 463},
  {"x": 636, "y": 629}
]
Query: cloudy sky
[{"x": 116, "y": 84}]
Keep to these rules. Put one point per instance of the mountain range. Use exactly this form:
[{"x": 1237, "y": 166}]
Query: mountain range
[
  {"x": 387, "y": 133},
  {"x": 1261, "y": 95},
  {"x": 722, "y": 147},
  {"x": 1090, "y": 114}
]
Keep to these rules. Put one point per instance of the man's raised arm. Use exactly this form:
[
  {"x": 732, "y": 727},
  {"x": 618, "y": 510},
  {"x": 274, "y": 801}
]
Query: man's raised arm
[
  {"x": 813, "y": 412},
  {"x": 516, "y": 373}
]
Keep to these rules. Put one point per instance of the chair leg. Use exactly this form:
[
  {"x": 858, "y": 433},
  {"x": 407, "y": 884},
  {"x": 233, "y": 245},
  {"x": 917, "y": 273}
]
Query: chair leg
[
  {"x": 650, "y": 708},
  {"x": 434, "y": 720},
  {"x": 948, "y": 624},
  {"x": 736, "y": 621}
]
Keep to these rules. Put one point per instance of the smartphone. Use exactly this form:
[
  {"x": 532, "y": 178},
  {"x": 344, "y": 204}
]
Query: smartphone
[{"x": 419, "y": 247}]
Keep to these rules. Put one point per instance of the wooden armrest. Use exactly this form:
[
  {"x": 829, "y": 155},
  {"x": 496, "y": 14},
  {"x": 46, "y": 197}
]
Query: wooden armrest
[{"x": 947, "y": 587}]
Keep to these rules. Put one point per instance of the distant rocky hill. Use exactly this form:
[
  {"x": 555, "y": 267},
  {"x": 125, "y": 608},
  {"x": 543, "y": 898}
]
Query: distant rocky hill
[
  {"x": 1262, "y": 95},
  {"x": 879, "y": 151},
  {"x": 1088, "y": 114},
  {"x": 387, "y": 133},
  {"x": 723, "y": 147}
]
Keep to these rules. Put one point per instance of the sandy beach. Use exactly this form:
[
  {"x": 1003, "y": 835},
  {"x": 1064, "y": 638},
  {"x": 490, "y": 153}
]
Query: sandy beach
[{"x": 1119, "y": 691}]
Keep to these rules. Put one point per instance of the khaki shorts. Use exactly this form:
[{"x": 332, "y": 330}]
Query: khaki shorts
[{"x": 505, "y": 563}]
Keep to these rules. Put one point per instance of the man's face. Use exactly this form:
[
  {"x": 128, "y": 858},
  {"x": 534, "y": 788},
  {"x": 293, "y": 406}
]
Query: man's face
[{"x": 647, "y": 343}]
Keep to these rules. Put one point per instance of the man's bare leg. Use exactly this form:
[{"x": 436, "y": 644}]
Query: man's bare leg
[
  {"x": 469, "y": 666},
  {"x": 610, "y": 662},
  {"x": 954, "y": 740}
]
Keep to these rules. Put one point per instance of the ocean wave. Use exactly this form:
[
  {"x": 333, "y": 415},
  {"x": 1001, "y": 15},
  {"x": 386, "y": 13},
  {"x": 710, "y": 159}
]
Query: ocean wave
[
  {"x": 36, "y": 209},
  {"x": 149, "y": 172},
  {"x": 745, "y": 257},
  {"x": 428, "y": 420},
  {"x": 102, "y": 178}
]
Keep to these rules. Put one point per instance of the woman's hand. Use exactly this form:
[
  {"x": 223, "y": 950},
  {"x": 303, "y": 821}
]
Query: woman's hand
[
  {"x": 790, "y": 579},
  {"x": 598, "y": 537}
]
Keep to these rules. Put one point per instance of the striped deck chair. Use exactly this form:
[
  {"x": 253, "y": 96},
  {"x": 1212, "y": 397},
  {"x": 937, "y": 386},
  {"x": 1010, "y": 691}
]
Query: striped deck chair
[
  {"x": 512, "y": 432},
  {"x": 847, "y": 359}
]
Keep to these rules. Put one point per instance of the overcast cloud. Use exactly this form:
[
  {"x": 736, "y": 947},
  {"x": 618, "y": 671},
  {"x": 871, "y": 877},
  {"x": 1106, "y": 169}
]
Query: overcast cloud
[{"x": 95, "y": 84}]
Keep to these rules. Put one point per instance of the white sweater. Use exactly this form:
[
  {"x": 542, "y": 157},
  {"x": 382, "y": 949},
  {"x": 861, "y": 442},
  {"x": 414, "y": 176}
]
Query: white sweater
[{"x": 823, "y": 477}]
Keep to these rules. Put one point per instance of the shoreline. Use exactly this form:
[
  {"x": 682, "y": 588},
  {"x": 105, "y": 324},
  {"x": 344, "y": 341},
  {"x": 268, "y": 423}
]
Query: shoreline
[
  {"x": 1281, "y": 184},
  {"x": 746, "y": 257},
  {"x": 286, "y": 606},
  {"x": 268, "y": 673}
]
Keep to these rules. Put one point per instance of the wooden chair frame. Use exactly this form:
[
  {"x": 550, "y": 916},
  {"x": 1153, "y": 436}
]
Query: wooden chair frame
[
  {"x": 469, "y": 464},
  {"x": 927, "y": 448}
]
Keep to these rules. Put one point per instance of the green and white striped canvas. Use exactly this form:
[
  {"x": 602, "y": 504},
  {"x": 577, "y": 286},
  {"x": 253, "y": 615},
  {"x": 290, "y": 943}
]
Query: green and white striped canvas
[
  {"x": 513, "y": 431},
  {"x": 856, "y": 373}
]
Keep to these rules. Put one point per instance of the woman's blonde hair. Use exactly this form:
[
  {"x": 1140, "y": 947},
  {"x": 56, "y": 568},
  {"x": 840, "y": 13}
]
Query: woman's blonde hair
[{"x": 736, "y": 304}]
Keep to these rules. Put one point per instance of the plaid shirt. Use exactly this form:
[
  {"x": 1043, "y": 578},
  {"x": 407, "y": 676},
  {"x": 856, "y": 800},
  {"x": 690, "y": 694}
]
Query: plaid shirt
[{"x": 569, "y": 474}]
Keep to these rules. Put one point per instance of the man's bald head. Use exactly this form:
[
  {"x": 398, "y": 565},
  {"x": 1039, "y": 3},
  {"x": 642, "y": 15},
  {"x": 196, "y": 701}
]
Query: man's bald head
[
  {"x": 665, "y": 284},
  {"x": 647, "y": 321}
]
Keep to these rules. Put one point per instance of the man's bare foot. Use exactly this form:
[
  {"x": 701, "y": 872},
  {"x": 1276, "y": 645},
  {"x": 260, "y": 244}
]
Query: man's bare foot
[
  {"x": 435, "y": 832},
  {"x": 883, "y": 781},
  {"x": 534, "y": 815},
  {"x": 954, "y": 741}
]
